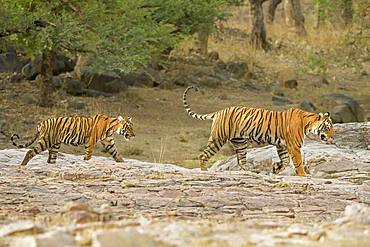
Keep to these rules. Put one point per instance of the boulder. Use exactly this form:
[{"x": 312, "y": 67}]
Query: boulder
[
  {"x": 307, "y": 106},
  {"x": 11, "y": 62},
  {"x": 343, "y": 108},
  {"x": 250, "y": 86},
  {"x": 74, "y": 87},
  {"x": 113, "y": 82},
  {"x": 292, "y": 84},
  {"x": 208, "y": 81},
  {"x": 277, "y": 90},
  {"x": 237, "y": 68},
  {"x": 61, "y": 64},
  {"x": 277, "y": 100}
]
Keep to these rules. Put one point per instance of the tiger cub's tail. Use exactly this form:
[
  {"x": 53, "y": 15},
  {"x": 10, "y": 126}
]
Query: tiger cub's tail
[
  {"x": 16, "y": 136},
  {"x": 190, "y": 111}
]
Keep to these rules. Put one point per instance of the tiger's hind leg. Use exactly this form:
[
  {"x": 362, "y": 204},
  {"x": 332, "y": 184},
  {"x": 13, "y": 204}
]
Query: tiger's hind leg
[
  {"x": 109, "y": 145},
  {"x": 40, "y": 146},
  {"x": 213, "y": 147},
  {"x": 284, "y": 159},
  {"x": 53, "y": 153},
  {"x": 240, "y": 146}
]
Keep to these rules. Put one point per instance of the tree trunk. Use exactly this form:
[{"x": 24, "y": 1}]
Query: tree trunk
[
  {"x": 258, "y": 35},
  {"x": 347, "y": 11},
  {"x": 202, "y": 42},
  {"x": 46, "y": 77},
  {"x": 272, "y": 9},
  {"x": 294, "y": 17},
  {"x": 318, "y": 14}
]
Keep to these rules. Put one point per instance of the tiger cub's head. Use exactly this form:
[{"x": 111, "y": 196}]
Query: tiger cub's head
[
  {"x": 323, "y": 127},
  {"x": 125, "y": 127}
]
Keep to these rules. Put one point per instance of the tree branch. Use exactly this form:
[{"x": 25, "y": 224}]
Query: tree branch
[{"x": 36, "y": 23}]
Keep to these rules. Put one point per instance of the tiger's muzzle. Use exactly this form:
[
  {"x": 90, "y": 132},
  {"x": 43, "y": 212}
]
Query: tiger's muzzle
[
  {"x": 326, "y": 139},
  {"x": 126, "y": 134}
]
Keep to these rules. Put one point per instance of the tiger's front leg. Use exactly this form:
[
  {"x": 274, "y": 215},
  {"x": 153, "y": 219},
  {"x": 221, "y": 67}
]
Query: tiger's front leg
[
  {"x": 109, "y": 145},
  {"x": 89, "y": 148},
  {"x": 295, "y": 153}
]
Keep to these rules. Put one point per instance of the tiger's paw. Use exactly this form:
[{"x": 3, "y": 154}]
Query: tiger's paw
[
  {"x": 87, "y": 158},
  {"x": 203, "y": 168},
  {"x": 119, "y": 158}
]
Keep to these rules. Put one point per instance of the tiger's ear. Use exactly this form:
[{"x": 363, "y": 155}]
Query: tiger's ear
[
  {"x": 320, "y": 116},
  {"x": 120, "y": 119},
  {"x": 129, "y": 119},
  {"x": 327, "y": 114}
]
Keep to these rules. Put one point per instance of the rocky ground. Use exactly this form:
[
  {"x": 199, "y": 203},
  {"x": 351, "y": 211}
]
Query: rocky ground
[{"x": 102, "y": 203}]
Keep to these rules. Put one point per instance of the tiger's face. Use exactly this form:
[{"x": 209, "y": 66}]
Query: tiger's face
[
  {"x": 125, "y": 128},
  {"x": 323, "y": 127}
]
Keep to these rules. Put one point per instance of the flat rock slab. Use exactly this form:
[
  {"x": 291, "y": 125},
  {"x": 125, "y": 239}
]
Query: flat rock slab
[
  {"x": 160, "y": 190},
  {"x": 94, "y": 203}
]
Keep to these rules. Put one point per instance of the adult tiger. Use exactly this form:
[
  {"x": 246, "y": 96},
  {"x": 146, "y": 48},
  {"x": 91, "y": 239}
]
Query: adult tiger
[
  {"x": 242, "y": 126},
  {"x": 77, "y": 131}
]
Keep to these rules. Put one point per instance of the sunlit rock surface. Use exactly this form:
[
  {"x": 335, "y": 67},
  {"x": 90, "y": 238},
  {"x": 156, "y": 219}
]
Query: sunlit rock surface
[{"x": 104, "y": 203}]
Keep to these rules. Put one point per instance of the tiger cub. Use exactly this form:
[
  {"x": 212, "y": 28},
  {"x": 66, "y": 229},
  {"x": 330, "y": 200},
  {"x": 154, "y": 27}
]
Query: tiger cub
[
  {"x": 242, "y": 126},
  {"x": 77, "y": 131}
]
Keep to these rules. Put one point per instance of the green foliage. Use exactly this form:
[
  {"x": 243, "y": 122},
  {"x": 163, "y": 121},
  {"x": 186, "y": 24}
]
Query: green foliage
[
  {"x": 189, "y": 16},
  {"x": 325, "y": 6},
  {"x": 314, "y": 63},
  {"x": 118, "y": 34}
]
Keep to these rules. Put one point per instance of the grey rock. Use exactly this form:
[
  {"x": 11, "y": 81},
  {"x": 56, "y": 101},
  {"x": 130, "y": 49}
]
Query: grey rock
[
  {"x": 250, "y": 86},
  {"x": 277, "y": 100},
  {"x": 307, "y": 106},
  {"x": 292, "y": 84},
  {"x": 61, "y": 64},
  {"x": 237, "y": 68},
  {"x": 208, "y": 81},
  {"x": 74, "y": 87},
  {"x": 11, "y": 62},
  {"x": 344, "y": 108},
  {"x": 99, "y": 81}
]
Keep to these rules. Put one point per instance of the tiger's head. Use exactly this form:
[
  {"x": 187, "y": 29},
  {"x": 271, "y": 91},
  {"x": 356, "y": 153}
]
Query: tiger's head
[
  {"x": 125, "y": 127},
  {"x": 323, "y": 127}
]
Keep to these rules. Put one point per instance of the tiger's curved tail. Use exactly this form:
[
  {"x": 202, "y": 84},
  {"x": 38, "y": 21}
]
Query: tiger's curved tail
[
  {"x": 192, "y": 113},
  {"x": 23, "y": 145}
]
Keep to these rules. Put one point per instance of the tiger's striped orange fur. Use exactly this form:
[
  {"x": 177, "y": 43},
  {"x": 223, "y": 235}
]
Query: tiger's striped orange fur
[
  {"x": 76, "y": 131},
  {"x": 242, "y": 126}
]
